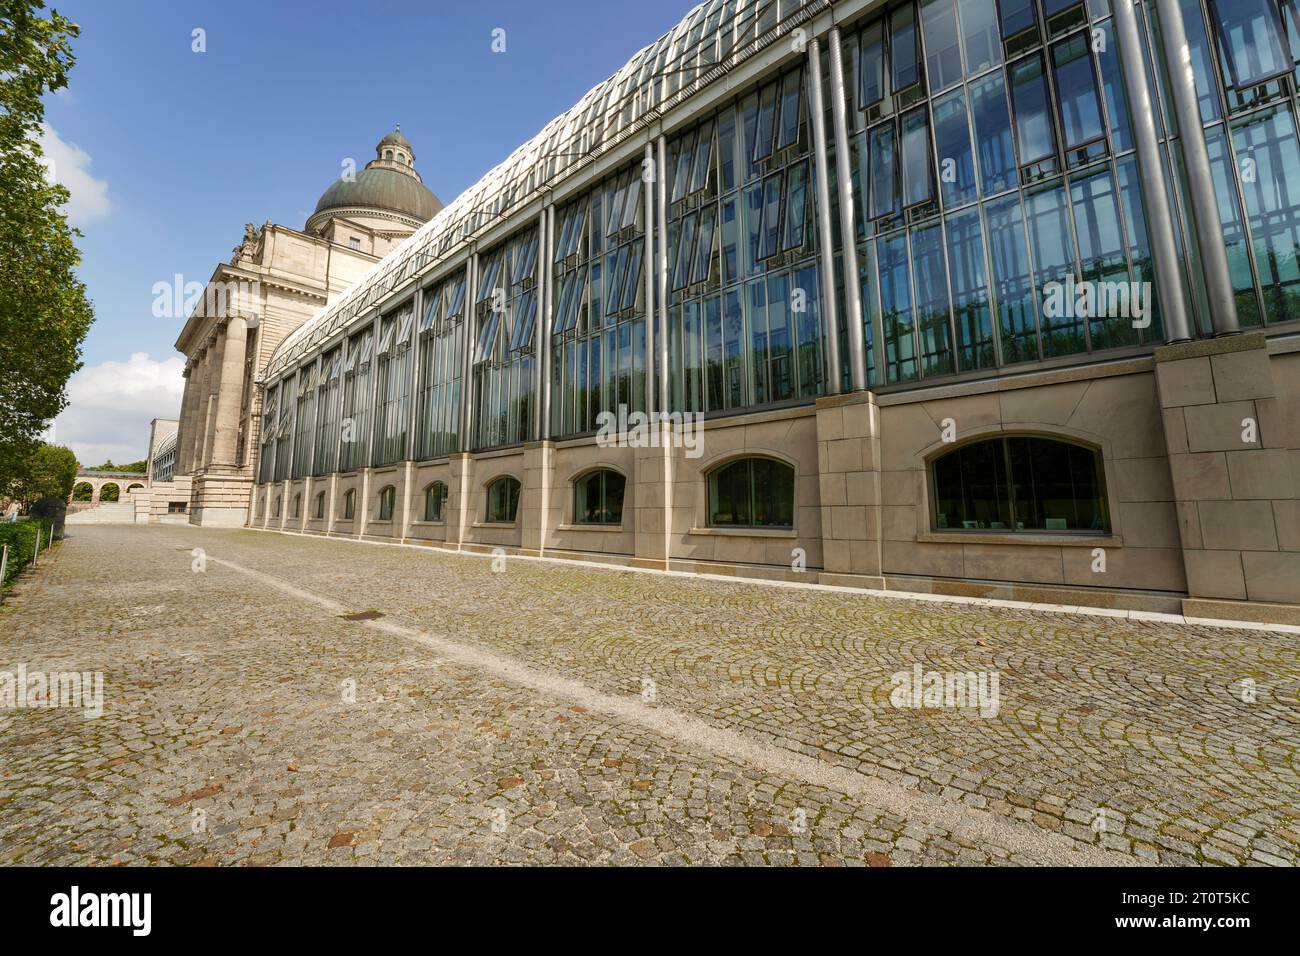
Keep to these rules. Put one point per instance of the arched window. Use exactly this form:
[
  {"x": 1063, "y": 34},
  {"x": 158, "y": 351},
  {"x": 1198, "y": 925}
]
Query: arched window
[
  {"x": 297, "y": 506},
  {"x": 1019, "y": 483},
  {"x": 435, "y": 499},
  {"x": 598, "y": 498},
  {"x": 503, "y": 500},
  {"x": 387, "y": 498},
  {"x": 349, "y": 504},
  {"x": 134, "y": 487},
  {"x": 277, "y": 506},
  {"x": 388, "y": 154},
  {"x": 320, "y": 506},
  {"x": 82, "y": 491},
  {"x": 752, "y": 493}
]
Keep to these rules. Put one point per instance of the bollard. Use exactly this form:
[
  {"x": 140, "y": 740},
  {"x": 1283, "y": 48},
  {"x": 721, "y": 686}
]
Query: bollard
[
  {"x": 37, "y": 554},
  {"x": 4, "y": 562}
]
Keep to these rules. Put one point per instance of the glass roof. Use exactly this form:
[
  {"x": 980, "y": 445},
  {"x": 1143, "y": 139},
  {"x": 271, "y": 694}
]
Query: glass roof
[{"x": 710, "y": 40}]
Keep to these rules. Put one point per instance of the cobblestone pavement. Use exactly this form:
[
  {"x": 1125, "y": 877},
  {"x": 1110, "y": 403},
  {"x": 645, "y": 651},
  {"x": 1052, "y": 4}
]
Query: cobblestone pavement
[{"x": 558, "y": 713}]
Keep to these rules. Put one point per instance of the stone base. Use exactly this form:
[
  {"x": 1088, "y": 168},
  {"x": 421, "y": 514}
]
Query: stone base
[
  {"x": 220, "y": 501},
  {"x": 1241, "y": 611},
  {"x": 219, "y": 517}
]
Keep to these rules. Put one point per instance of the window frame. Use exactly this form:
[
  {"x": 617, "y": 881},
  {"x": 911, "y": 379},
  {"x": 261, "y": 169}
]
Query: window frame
[
  {"x": 441, "y": 500},
  {"x": 710, "y": 479},
  {"x": 603, "y": 472},
  {"x": 386, "y": 502},
  {"x": 510, "y": 481},
  {"x": 349, "y": 505},
  {"x": 1107, "y": 512}
]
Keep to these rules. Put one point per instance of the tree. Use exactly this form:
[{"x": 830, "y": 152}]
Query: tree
[
  {"x": 50, "y": 472},
  {"x": 136, "y": 466},
  {"x": 44, "y": 312}
]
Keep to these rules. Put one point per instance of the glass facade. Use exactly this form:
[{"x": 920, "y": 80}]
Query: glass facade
[
  {"x": 441, "y": 343},
  {"x": 505, "y": 310},
  {"x": 992, "y": 162},
  {"x": 598, "y": 330}
]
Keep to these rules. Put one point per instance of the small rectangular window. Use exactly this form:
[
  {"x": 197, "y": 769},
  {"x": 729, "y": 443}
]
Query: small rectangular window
[
  {"x": 918, "y": 167},
  {"x": 1251, "y": 39},
  {"x": 904, "y": 61},
  {"x": 871, "y": 65}
]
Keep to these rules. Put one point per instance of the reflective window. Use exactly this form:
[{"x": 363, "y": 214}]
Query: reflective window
[
  {"x": 387, "y": 499},
  {"x": 502, "y": 500},
  {"x": 896, "y": 309},
  {"x": 942, "y": 51},
  {"x": 931, "y": 280},
  {"x": 1251, "y": 40},
  {"x": 1012, "y": 280},
  {"x": 752, "y": 493},
  {"x": 1047, "y": 214},
  {"x": 1076, "y": 90},
  {"x": 1034, "y": 133},
  {"x": 1265, "y": 143},
  {"x": 435, "y": 500},
  {"x": 980, "y": 34},
  {"x": 598, "y": 498},
  {"x": 1019, "y": 484},
  {"x": 355, "y": 426},
  {"x": 505, "y": 314},
  {"x": 996, "y": 154},
  {"x": 970, "y": 297},
  {"x": 952, "y": 146},
  {"x": 393, "y": 381},
  {"x": 441, "y": 337},
  {"x": 918, "y": 168}
]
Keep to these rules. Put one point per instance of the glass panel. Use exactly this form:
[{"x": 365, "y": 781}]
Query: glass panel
[
  {"x": 1055, "y": 486},
  {"x": 729, "y": 502},
  {"x": 979, "y": 27},
  {"x": 730, "y": 238},
  {"x": 796, "y": 191},
  {"x": 902, "y": 47},
  {"x": 932, "y": 301},
  {"x": 918, "y": 169},
  {"x": 1250, "y": 37},
  {"x": 970, "y": 299},
  {"x": 773, "y": 494},
  {"x": 952, "y": 147},
  {"x": 780, "y": 369},
  {"x": 1113, "y": 89},
  {"x": 1234, "y": 229},
  {"x": 1076, "y": 89},
  {"x": 791, "y": 89},
  {"x": 997, "y": 158},
  {"x": 971, "y": 490},
  {"x": 1012, "y": 284},
  {"x": 1103, "y": 262},
  {"x": 884, "y": 179},
  {"x": 1269, "y": 161},
  {"x": 1033, "y": 122},
  {"x": 896, "y": 309},
  {"x": 766, "y": 121},
  {"x": 942, "y": 53},
  {"x": 1017, "y": 16},
  {"x": 704, "y": 243},
  {"x": 871, "y": 85},
  {"x": 1049, "y": 238},
  {"x": 771, "y": 216}
]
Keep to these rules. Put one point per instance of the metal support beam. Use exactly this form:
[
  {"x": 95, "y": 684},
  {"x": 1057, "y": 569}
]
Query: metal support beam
[
  {"x": 825, "y": 234},
  {"x": 1200, "y": 181},
  {"x": 848, "y": 231},
  {"x": 1155, "y": 197},
  {"x": 661, "y": 253}
]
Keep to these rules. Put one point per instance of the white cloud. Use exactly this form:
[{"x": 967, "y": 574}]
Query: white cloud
[
  {"x": 111, "y": 404},
  {"x": 69, "y": 164}
]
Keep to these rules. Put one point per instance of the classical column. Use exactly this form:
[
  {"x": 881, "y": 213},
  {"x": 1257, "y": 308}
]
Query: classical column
[
  {"x": 1200, "y": 182},
  {"x": 198, "y": 418},
  {"x": 229, "y": 392},
  {"x": 830, "y": 311},
  {"x": 1155, "y": 199},
  {"x": 848, "y": 231},
  {"x": 183, "y": 424}
]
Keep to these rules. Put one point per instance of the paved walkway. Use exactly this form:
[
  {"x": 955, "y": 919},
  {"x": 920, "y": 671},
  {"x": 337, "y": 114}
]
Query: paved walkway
[{"x": 549, "y": 713}]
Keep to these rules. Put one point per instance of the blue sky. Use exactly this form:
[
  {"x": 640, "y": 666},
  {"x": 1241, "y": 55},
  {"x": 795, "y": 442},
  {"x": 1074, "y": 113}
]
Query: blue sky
[{"x": 168, "y": 152}]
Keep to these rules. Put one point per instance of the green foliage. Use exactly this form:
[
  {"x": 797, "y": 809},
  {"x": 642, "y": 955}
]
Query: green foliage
[
  {"x": 110, "y": 492},
  {"x": 44, "y": 313},
  {"x": 21, "y": 538},
  {"x": 136, "y": 466},
  {"x": 50, "y": 471}
]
